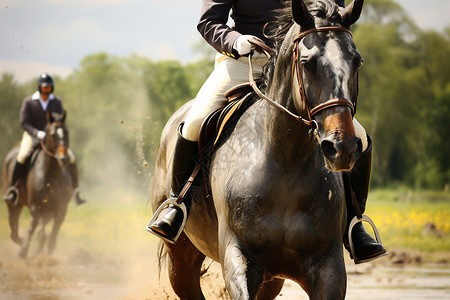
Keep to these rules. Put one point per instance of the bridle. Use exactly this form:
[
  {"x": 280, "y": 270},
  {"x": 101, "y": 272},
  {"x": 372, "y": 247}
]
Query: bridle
[
  {"x": 296, "y": 70},
  {"x": 44, "y": 147}
]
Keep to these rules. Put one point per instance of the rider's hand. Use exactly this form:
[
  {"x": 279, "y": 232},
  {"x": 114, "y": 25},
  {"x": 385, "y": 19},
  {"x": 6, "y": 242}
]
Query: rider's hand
[
  {"x": 242, "y": 44},
  {"x": 40, "y": 135}
]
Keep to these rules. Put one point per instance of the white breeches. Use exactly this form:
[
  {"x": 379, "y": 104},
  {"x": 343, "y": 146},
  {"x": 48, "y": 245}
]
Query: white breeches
[
  {"x": 27, "y": 144},
  {"x": 227, "y": 73}
]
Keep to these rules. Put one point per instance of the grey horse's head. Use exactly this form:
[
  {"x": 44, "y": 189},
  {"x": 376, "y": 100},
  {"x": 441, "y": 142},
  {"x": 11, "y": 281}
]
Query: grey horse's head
[{"x": 326, "y": 80}]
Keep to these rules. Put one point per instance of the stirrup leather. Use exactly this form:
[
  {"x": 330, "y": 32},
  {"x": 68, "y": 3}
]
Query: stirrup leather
[
  {"x": 355, "y": 220},
  {"x": 166, "y": 203}
]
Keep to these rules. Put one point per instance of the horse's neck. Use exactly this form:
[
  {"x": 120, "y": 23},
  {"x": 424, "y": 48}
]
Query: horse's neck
[
  {"x": 287, "y": 137},
  {"x": 49, "y": 164}
]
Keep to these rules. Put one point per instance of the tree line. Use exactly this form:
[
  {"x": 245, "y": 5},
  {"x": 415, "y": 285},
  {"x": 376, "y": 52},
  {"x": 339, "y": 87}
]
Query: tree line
[{"x": 117, "y": 106}]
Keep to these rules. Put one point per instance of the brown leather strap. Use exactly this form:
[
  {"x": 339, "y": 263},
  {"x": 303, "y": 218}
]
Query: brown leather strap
[
  {"x": 302, "y": 34},
  {"x": 46, "y": 149},
  {"x": 331, "y": 103},
  {"x": 188, "y": 183},
  {"x": 262, "y": 46},
  {"x": 270, "y": 101},
  {"x": 296, "y": 70}
]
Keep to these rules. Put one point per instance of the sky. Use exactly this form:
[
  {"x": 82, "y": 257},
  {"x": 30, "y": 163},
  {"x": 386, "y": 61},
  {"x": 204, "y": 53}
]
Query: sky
[{"x": 55, "y": 35}]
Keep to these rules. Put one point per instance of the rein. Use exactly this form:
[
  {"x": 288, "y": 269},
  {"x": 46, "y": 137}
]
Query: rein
[
  {"x": 46, "y": 149},
  {"x": 296, "y": 70}
]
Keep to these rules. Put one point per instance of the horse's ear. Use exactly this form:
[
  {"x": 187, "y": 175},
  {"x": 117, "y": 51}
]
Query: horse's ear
[
  {"x": 64, "y": 115},
  {"x": 351, "y": 13},
  {"x": 300, "y": 13},
  {"x": 49, "y": 117}
]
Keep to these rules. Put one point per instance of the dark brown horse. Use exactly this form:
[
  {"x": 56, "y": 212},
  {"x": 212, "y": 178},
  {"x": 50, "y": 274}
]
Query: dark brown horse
[
  {"x": 47, "y": 188},
  {"x": 277, "y": 188}
]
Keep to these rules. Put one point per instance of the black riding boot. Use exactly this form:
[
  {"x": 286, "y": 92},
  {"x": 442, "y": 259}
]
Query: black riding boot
[
  {"x": 11, "y": 194},
  {"x": 73, "y": 172},
  {"x": 366, "y": 248},
  {"x": 169, "y": 221}
]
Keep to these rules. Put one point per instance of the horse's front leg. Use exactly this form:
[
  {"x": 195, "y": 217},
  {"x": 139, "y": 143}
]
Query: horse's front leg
[
  {"x": 42, "y": 238},
  {"x": 26, "y": 245},
  {"x": 328, "y": 278},
  {"x": 243, "y": 273},
  {"x": 57, "y": 222},
  {"x": 14, "y": 214}
]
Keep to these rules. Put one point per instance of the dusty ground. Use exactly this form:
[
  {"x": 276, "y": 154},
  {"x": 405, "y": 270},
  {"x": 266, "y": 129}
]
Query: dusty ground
[
  {"x": 104, "y": 252},
  {"x": 80, "y": 274}
]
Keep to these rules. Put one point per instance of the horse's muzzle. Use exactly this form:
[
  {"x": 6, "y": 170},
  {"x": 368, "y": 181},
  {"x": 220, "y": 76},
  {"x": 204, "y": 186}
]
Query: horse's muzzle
[
  {"x": 341, "y": 154},
  {"x": 63, "y": 160}
]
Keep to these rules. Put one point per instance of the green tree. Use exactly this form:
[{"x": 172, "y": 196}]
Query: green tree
[
  {"x": 12, "y": 93},
  {"x": 402, "y": 85}
]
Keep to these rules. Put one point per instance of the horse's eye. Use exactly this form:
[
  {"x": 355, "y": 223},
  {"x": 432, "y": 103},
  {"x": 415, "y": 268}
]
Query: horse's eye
[
  {"x": 358, "y": 61},
  {"x": 307, "y": 63}
]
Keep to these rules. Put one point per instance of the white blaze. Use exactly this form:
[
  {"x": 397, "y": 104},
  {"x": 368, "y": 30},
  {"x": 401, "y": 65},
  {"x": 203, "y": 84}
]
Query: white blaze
[{"x": 333, "y": 58}]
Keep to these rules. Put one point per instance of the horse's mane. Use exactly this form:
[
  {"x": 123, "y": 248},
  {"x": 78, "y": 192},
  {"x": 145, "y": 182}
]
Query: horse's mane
[{"x": 282, "y": 22}]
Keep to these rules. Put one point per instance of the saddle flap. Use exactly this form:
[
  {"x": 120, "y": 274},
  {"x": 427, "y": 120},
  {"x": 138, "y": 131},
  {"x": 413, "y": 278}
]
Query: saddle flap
[{"x": 208, "y": 130}]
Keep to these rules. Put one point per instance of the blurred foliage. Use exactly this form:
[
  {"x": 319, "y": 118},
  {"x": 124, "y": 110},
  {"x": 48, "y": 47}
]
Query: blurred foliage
[
  {"x": 118, "y": 106},
  {"x": 411, "y": 219}
]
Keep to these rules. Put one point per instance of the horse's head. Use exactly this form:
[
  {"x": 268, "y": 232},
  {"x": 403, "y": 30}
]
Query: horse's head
[
  {"x": 56, "y": 141},
  {"x": 325, "y": 76}
]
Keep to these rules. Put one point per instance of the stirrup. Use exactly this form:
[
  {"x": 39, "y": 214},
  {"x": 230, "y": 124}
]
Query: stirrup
[
  {"x": 166, "y": 203},
  {"x": 11, "y": 189},
  {"x": 354, "y": 221}
]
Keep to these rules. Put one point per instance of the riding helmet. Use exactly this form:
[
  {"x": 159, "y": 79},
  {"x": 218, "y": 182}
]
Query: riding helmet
[{"x": 45, "y": 80}]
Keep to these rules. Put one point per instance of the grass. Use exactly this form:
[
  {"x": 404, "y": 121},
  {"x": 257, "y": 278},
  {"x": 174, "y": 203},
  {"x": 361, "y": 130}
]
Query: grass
[
  {"x": 115, "y": 224},
  {"x": 108, "y": 226},
  {"x": 401, "y": 217}
]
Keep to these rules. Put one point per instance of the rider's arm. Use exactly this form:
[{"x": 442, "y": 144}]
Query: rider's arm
[
  {"x": 25, "y": 117},
  {"x": 213, "y": 26}
]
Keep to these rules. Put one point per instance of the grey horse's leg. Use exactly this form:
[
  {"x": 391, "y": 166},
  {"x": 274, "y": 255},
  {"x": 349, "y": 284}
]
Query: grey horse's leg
[
  {"x": 328, "y": 279},
  {"x": 185, "y": 263},
  {"x": 243, "y": 273},
  {"x": 270, "y": 289},
  {"x": 14, "y": 214}
]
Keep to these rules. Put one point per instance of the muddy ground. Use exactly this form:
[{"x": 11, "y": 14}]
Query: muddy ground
[{"x": 81, "y": 274}]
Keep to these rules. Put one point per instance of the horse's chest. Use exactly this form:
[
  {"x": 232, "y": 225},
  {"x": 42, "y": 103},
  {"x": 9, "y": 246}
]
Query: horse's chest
[{"x": 272, "y": 210}]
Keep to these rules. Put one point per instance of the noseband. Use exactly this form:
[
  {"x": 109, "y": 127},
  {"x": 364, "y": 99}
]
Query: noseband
[{"x": 296, "y": 70}]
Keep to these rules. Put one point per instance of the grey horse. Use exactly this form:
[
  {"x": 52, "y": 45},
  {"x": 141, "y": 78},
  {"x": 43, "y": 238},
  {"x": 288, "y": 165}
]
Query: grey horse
[{"x": 276, "y": 180}]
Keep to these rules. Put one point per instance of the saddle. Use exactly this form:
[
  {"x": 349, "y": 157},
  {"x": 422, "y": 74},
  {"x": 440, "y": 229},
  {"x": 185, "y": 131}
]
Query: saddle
[
  {"x": 214, "y": 124},
  {"x": 210, "y": 133}
]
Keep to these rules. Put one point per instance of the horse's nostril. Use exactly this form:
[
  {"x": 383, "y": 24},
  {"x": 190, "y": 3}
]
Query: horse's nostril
[
  {"x": 328, "y": 149},
  {"x": 63, "y": 161}
]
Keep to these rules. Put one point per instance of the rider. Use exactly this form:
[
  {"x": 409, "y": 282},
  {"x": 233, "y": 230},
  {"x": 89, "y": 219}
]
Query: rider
[
  {"x": 230, "y": 69},
  {"x": 33, "y": 120}
]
